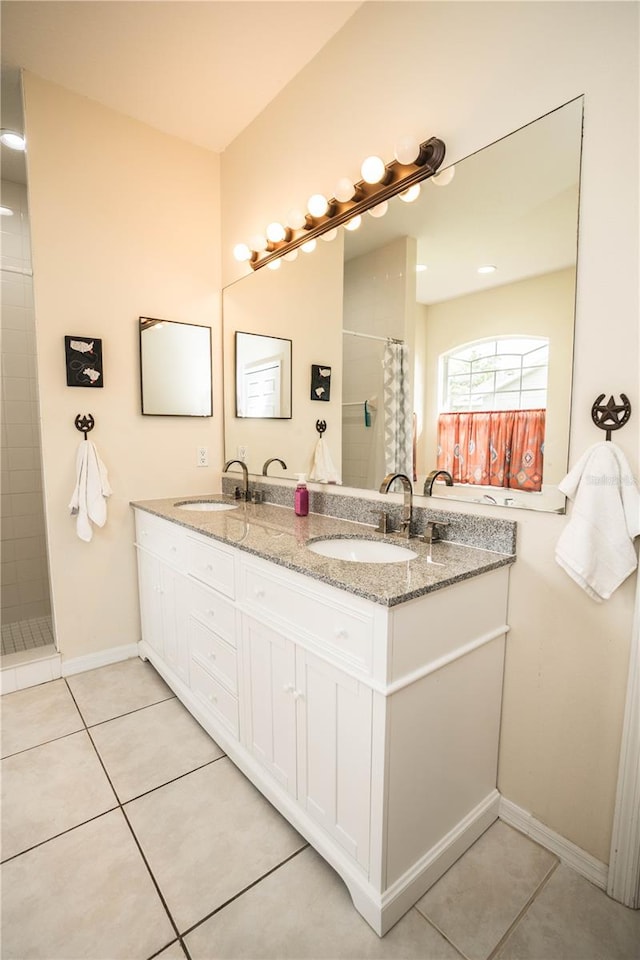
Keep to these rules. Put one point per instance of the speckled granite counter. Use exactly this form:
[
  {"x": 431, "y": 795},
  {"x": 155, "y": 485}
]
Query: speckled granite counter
[{"x": 275, "y": 533}]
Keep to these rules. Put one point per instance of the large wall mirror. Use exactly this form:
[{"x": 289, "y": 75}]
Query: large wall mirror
[
  {"x": 175, "y": 368},
  {"x": 435, "y": 352}
]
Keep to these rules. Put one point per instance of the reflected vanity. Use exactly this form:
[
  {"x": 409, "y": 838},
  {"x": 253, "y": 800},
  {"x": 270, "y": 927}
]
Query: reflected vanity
[{"x": 471, "y": 342}]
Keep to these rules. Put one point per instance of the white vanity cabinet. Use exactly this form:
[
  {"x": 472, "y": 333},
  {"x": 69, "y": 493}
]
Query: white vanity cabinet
[{"x": 373, "y": 729}]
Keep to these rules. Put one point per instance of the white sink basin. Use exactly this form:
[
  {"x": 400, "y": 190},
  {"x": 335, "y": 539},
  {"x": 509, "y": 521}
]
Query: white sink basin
[
  {"x": 205, "y": 505},
  {"x": 361, "y": 551}
]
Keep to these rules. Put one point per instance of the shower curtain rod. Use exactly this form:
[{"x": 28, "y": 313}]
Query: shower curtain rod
[{"x": 371, "y": 336}]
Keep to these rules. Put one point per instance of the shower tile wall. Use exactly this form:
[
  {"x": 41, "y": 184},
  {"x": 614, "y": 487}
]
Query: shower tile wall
[
  {"x": 379, "y": 298},
  {"x": 24, "y": 572}
]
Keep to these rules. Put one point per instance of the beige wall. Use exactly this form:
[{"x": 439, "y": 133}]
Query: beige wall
[
  {"x": 470, "y": 73},
  {"x": 124, "y": 224},
  {"x": 538, "y": 307},
  {"x": 306, "y": 308}
]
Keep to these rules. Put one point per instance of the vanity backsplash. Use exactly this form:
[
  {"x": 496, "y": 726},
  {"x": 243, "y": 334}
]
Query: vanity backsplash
[{"x": 472, "y": 530}]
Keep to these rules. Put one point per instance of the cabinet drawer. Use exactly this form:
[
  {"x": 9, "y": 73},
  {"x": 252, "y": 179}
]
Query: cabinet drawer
[
  {"x": 164, "y": 539},
  {"x": 212, "y": 564},
  {"x": 213, "y": 654},
  {"x": 213, "y": 696},
  {"x": 213, "y": 610},
  {"x": 338, "y": 627}
]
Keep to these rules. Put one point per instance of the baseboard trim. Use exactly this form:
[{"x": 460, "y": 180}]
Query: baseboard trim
[
  {"x": 566, "y": 851},
  {"x": 102, "y": 658}
]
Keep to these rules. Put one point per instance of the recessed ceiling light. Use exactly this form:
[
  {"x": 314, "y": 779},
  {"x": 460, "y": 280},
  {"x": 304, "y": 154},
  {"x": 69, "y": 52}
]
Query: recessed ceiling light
[
  {"x": 421, "y": 267},
  {"x": 487, "y": 268},
  {"x": 12, "y": 139},
  {"x": 6, "y": 212}
]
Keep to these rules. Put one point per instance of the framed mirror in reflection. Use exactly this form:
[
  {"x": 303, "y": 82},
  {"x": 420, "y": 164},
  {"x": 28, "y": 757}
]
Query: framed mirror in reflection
[
  {"x": 175, "y": 368},
  {"x": 263, "y": 376},
  {"x": 457, "y": 325}
]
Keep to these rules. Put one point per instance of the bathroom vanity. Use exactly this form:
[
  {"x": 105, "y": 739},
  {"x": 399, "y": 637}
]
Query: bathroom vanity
[{"x": 362, "y": 699}]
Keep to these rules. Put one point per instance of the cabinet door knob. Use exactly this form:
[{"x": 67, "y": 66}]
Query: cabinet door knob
[
  {"x": 298, "y": 695},
  {"x": 288, "y": 688}
]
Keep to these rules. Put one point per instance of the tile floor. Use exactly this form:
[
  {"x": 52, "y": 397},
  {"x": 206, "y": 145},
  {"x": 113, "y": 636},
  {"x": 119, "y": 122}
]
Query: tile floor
[
  {"x": 26, "y": 635},
  {"x": 128, "y": 834}
]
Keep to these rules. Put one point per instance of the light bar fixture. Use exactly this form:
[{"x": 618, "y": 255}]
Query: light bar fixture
[{"x": 380, "y": 182}]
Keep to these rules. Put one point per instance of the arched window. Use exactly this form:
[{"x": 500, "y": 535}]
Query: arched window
[{"x": 506, "y": 373}]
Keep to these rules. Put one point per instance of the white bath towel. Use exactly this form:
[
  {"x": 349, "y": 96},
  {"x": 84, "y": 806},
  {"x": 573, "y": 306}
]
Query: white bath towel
[
  {"x": 323, "y": 469},
  {"x": 89, "y": 499},
  {"x": 596, "y": 546}
]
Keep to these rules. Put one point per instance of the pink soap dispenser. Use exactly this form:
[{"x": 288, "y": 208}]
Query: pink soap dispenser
[{"x": 301, "y": 498}]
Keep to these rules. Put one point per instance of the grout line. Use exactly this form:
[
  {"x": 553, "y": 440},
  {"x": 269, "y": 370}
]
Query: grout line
[
  {"x": 62, "y": 833},
  {"x": 245, "y": 889},
  {"x": 503, "y": 939},
  {"x": 444, "y": 936},
  {"x": 126, "y": 819},
  {"x": 35, "y": 746},
  {"x": 126, "y": 714},
  {"x": 180, "y": 776}
]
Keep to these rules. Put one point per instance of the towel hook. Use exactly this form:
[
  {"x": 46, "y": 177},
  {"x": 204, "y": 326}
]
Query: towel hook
[
  {"x": 610, "y": 415},
  {"x": 84, "y": 424},
  {"x": 321, "y": 426}
]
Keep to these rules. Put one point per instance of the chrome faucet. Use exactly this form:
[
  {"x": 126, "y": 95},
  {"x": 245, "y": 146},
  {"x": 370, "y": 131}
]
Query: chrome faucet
[
  {"x": 245, "y": 477},
  {"x": 407, "y": 509},
  {"x": 431, "y": 477},
  {"x": 273, "y": 460}
]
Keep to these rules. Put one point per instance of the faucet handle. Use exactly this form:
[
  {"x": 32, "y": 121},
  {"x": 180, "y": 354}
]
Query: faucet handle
[
  {"x": 383, "y": 522},
  {"x": 432, "y": 530}
]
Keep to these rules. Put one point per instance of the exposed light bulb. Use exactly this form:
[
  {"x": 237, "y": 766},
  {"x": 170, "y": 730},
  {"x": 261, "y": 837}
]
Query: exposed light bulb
[
  {"x": 330, "y": 234},
  {"x": 487, "y": 268},
  {"x": 407, "y": 150},
  {"x": 421, "y": 267},
  {"x": 6, "y": 212},
  {"x": 444, "y": 178},
  {"x": 379, "y": 210},
  {"x": 274, "y": 264},
  {"x": 291, "y": 256},
  {"x": 275, "y": 232},
  {"x": 372, "y": 170},
  {"x": 344, "y": 190},
  {"x": 354, "y": 223},
  {"x": 309, "y": 246},
  {"x": 317, "y": 205},
  {"x": 12, "y": 139},
  {"x": 241, "y": 252},
  {"x": 258, "y": 243},
  {"x": 408, "y": 196},
  {"x": 296, "y": 219}
]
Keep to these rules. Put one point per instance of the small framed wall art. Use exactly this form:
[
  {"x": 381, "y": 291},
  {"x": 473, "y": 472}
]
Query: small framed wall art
[
  {"x": 320, "y": 382},
  {"x": 83, "y": 356}
]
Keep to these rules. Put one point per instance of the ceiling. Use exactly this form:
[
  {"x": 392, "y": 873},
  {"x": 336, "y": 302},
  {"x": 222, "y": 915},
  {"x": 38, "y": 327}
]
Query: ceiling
[{"x": 197, "y": 69}]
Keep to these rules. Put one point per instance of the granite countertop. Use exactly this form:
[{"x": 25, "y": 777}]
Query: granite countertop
[{"x": 275, "y": 533}]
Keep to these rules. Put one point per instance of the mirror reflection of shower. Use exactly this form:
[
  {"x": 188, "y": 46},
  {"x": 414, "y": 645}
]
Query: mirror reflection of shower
[{"x": 26, "y": 605}]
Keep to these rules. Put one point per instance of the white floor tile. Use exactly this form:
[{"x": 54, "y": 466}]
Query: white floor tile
[
  {"x": 50, "y": 789},
  {"x": 86, "y": 895},
  {"x": 303, "y": 911},
  {"x": 36, "y": 715},
  {"x": 117, "y": 689},
  {"x": 145, "y": 749},
  {"x": 207, "y": 836}
]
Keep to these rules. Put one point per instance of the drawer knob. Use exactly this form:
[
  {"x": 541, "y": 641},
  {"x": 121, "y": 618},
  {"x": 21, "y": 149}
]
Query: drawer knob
[
  {"x": 209, "y": 567},
  {"x": 211, "y": 613},
  {"x": 212, "y": 656},
  {"x": 174, "y": 549},
  {"x": 342, "y": 634},
  {"x": 259, "y": 592},
  {"x": 212, "y": 698}
]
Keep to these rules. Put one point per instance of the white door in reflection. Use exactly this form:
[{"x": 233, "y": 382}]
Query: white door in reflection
[{"x": 261, "y": 389}]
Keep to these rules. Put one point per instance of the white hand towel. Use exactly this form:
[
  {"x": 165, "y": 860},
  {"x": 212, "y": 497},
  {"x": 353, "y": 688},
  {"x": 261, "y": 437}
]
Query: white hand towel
[
  {"x": 323, "y": 470},
  {"x": 88, "y": 501},
  {"x": 596, "y": 547}
]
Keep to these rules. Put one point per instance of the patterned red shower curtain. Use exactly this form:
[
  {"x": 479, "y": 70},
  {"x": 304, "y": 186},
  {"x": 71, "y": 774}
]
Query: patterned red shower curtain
[{"x": 497, "y": 448}]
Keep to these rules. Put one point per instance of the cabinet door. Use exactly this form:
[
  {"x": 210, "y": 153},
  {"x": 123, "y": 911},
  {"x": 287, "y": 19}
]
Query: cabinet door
[
  {"x": 334, "y": 752},
  {"x": 270, "y": 712},
  {"x": 149, "y": 579},
  {"x": 173, "y": 594}
]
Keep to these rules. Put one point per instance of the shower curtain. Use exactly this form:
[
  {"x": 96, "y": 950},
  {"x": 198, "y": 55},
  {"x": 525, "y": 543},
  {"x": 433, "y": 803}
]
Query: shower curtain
[{"x": 398, "y": 415}]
